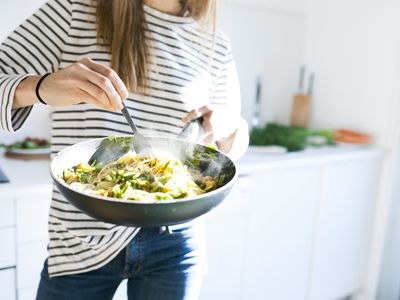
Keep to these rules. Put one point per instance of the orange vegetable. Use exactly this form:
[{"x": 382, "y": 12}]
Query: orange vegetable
[{"x": 351, "y": 137}]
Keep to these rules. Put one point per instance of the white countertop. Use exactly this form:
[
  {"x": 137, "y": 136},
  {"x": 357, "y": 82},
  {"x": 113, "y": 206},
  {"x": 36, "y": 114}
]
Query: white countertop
[
  {"x": 29, "y": 178},
  {"x": 256, "y": 160}
]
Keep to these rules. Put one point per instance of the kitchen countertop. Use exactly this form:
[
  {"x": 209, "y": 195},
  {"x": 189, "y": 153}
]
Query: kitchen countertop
[
  {"x": 29, "y": 178},
  {"x": 256, "y": 160}
]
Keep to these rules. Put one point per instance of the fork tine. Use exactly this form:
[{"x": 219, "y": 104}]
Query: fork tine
[{"x": 140, "y": 143}]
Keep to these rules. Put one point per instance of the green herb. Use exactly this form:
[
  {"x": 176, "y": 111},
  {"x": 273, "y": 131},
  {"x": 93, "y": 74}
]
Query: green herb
[
  {"x": 294, "y": 138},
  {"x": 220, "y": 180},
  {"x": 29, "y": 143}
]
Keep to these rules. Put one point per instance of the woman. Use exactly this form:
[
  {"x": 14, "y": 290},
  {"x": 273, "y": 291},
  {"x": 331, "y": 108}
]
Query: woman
[{"x": 83, "y": 58}]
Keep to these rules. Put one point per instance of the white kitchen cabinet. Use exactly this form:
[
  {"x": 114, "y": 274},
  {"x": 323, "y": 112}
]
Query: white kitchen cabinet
[
  {"x": 280, "y": 234},
  {"x": 30, "y": 259},
  {"x": 7, "y": 284},
  {"x": 226, "y": 229},
  {"x": 225, "y": 250},
  {"x": 7, "y": 213},
  {"x": 32, "y": 234},
  {"x": 348, "y": 191},
  {"x": 7, "y": 252},
  {"x": 295, "y": 230},
  {"x": 259, "y": 240},
  {"x": 233, "y": 206},
  {"x": 27, "y": 294},
  {"x": 32, "y": 218}
]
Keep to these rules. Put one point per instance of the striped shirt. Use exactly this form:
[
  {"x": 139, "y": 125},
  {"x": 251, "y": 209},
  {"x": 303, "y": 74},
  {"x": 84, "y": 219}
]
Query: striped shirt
[{"x": 181, "y": 77}]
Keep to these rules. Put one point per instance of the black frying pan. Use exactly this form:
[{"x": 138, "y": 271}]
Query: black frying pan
[{"x": 134, "y": 213}]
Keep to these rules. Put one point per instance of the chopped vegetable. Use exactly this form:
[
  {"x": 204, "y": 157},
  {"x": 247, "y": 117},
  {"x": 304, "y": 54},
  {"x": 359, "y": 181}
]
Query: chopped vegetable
[{"x": 30, "y": 143}]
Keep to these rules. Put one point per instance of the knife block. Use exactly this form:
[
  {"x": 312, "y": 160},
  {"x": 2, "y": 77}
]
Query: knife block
[{"x": 300, "y": 110}]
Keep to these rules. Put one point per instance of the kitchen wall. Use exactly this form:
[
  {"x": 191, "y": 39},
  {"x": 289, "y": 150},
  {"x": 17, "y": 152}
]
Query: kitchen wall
[
  {"x": 268, "y": 39},
  {"x": 14, "y": 12},
  {"x": 389, "y": 284},
  {"x": 353, "y": 47}
]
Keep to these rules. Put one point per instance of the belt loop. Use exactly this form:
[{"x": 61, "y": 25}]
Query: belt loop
[{"x": 169, "y": 232}]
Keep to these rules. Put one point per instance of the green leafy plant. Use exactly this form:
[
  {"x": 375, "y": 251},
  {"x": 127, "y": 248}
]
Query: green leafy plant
[
  {"x": 29, "y": 143},
  {"x": 294, "y": 138}
]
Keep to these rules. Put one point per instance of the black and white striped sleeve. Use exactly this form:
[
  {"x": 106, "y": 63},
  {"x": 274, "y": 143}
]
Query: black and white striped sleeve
[{"x": 34, "y": 48}]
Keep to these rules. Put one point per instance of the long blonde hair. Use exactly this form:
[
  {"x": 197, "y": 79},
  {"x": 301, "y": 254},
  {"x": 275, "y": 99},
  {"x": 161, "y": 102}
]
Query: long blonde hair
[{"x": 121, "y": 28}]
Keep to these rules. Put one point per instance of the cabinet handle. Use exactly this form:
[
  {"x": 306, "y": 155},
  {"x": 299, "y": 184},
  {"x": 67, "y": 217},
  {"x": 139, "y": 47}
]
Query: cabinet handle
[{"x": 246, "y": 175}]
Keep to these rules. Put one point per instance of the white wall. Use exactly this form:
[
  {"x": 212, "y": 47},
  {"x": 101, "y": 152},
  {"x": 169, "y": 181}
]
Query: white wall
[
  {"x": 389, "y": 283},
  {"x": 12, "y": 13},
  {"x": 354, "y": 53},
  {"x": 268, "y": 41},
  {"x": 297, "y": 7}
]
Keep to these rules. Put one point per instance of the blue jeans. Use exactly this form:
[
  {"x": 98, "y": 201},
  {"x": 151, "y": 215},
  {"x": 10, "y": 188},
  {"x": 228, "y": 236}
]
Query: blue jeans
[{"x": 157, "y": 264}]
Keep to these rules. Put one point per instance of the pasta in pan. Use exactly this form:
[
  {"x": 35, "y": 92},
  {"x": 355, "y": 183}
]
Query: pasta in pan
[{"x": 141, "y": 178}]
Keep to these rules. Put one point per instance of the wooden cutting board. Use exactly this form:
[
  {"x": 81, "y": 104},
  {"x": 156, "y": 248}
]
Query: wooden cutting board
[
  {"x": 27, "y": 156},
  {"x": 300, "y": 114}
]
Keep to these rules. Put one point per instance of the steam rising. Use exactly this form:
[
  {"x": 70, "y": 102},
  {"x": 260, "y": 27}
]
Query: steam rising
[
  {"x": 186, "y": 148},
  {"x": 212, "y": 163}
]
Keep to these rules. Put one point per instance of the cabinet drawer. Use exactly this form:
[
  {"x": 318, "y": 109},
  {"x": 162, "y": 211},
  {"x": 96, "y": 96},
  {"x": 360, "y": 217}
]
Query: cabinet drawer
[
  {"x": 7, "y": 284},
  {"x": 238, "y": 202},
  {"x": 7, "y": 213},
  {"x": 7, "y": 252},
  {"x": 30, "y": 263},
  {"x": 27, "y": 294},
  {"x": 224, "y": 279},
  {"x": 32, "y": 217}
]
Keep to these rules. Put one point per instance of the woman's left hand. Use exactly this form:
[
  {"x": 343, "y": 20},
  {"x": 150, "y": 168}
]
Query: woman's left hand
[
  {"x": 207, "y": 135},
  {"x": 220, "y": 128},
  {"x": 213, "y": 129}
]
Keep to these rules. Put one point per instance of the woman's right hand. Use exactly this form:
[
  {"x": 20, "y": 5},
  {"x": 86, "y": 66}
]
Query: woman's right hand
[{"x": 83, "y": 81}]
